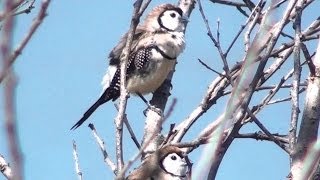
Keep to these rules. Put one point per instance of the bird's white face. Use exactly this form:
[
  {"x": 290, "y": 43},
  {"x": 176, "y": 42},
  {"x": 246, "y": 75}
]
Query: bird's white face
[
  {"x": 175, "y": 164},
  {"x": 172, "y": 20}
]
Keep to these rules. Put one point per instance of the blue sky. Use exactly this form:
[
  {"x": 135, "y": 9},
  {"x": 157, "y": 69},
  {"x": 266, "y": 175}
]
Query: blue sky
[{"x": 59, "y": 75}]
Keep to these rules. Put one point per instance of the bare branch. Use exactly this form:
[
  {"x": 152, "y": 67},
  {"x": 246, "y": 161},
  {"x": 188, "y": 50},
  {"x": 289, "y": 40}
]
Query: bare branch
[
  {"x": 171, "y": 109},
  {"x": 9, "y": 93},
  {"x": 35, "y": 24},
  {"x": 170, "y": 133},
  {"x": 296, "y": 79},
  {"x": 229, "y": 3},
  {"x": 308, "y": 59},
  {"x": 132, "y": 134},
  {"x": 285, "y": 99},
  {"x": 208, "y": 67},
  {"x": 100, "y": 142},
  {"x": 123, "y": 92},
  {"x": 215, "y": 42},
  {"x": 214, "y": 92},
  {"x": 308, "y": 132},
  {"x": 259, "y": 135},
  {"x": 76, "y": 160},
  {"x": 266, "y": 131},
  {"x": 253, "y": 21}
]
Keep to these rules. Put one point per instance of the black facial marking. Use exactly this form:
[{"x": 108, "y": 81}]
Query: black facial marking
[
  {"x": 179, "y": 10},
  {"x": 173, "y": 36}
]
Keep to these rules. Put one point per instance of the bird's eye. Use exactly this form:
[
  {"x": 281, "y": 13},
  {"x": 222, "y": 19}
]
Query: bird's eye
[
  {"x": 173, "y": 15},
  {"x": 174, "y": 157}
]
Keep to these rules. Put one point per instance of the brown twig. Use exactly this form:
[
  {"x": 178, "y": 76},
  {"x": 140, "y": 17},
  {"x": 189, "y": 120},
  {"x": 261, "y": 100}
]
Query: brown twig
[
  {"x": 35, "y": 24},
  {"x": 229, "y": 3},
  {"x": 285, "y": 99},
  {"x": 254, "y": 14},
  {"x": 214, "y": 92},
  {"x": 215, "y": 42},
  {"x": 192, "y": 144},
  {"x": 272, "y": 87},
  {"x": 170, "y": 133},
  {"x": 307, "y": 55},
  {"x": 266, "y": 131},
  {"x": 14, "y": 6},
  {"x": 208, "y": 67},
  {"x": 144, "y": 7},
  {"x": 171, "y": 109},
  {"x": 260, "y": 136},
  {"x": 9, "y": 93},
  {"x": 252, "y": 24}
]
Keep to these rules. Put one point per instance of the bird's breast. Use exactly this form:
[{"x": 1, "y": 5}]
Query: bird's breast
[{"x": 155, "y": 74}]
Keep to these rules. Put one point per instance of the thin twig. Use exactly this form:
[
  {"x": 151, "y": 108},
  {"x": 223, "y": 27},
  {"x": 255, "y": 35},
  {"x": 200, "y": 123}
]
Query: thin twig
[
  {"x": 259, "y": 135},
  {"x": 250, "y": 28},
  {"x": 272, "y": 87},
  {"x": 192, "y": 144},
  {"x": 215, "y": 42},
  {"x": 229, "y": 3},
  {"x": 208, "y": 67},
  {"x": 9, "y": 93},
  {"x": 100, "y": 142},
  {"x": 35, "y": 24},
  {"x": 144, "y": 7},
  {"x": 286, "y": 98},
  {"x": 292, "y": 135},
  {"x": 266, "y": 131},
  {"x": 258, "y": 8},
  {"x": 307, "y": 55},
  {"x": 76, "y": 160},
  {"x": 170, "y": 133},
  {"x": 214, "y": 92},
  {"x": 171, "y": 109},
  {"x": 132, "y": 134}
]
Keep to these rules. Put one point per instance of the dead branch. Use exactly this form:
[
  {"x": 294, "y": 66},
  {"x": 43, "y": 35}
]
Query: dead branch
[
  {"x": 76, "y": 160},
  {"x": 103, "y": 149}
]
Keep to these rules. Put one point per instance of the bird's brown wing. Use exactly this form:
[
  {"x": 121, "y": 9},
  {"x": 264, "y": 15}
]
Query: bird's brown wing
[{"x": 114, "y": 55}]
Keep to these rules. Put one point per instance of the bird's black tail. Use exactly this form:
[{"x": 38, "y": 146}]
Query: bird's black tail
[{"x": 105, "y": 97}]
